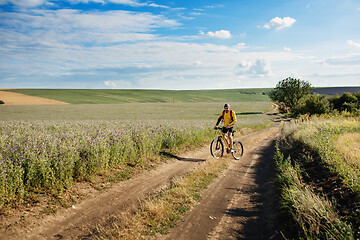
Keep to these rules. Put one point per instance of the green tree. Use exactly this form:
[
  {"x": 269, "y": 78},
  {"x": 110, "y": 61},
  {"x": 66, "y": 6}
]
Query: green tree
[{"x": 290, "y": 92}]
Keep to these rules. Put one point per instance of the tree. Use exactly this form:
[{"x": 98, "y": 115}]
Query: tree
[{"x": 290, "y": 92}]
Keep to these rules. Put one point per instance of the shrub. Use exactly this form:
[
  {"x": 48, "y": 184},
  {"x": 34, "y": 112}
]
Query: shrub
[
  {"x": 346, "y": 102},
  {"x": 2, "y": 102},
  {"x": 314, "y": 104}
]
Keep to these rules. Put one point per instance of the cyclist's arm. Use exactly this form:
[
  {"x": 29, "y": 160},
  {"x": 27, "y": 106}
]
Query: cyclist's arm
[{"x": 219, "y": 119}]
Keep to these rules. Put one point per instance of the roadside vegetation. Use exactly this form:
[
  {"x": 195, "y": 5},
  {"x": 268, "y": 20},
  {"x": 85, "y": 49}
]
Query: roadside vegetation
[
  {"x": 317, "y": 162},
  {"x": 319, "y": 185}
]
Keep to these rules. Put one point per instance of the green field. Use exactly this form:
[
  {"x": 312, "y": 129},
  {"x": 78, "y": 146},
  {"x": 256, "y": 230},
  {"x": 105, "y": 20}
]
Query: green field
[
  {"x": 129, "y": 111},
  {"x": 115, "y": 96}
]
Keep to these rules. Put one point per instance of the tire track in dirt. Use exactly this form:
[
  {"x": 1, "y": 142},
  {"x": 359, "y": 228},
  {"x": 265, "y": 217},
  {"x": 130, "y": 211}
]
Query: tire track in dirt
[{"x": 238, "y": 204}]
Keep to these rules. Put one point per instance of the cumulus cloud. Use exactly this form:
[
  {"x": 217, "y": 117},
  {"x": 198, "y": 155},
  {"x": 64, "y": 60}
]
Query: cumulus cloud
[
  {"x": 222, "y": 34},
  {"x": 287, "y": 49},
  {"x": 353, "y": 43},
  {"x": 280, "y": 23},
  {"x": 259, "y": 67}
]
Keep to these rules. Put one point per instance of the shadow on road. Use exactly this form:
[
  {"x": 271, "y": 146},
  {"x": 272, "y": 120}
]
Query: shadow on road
[
  {"x": 169, "y": 155},
  {"x": 261, "y": 223}
]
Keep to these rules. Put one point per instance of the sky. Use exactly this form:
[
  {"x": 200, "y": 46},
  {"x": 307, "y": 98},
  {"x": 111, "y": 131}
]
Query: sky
[{"x": 178, "y": 44}]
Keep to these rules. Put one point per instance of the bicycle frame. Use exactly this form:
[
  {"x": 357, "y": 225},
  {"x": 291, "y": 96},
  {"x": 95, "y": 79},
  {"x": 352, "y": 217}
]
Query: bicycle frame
[{"x": 224, "y": 136}]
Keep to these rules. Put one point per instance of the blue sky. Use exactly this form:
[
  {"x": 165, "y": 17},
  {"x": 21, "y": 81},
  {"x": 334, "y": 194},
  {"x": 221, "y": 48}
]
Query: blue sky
[{"x": 178, "y": 44}]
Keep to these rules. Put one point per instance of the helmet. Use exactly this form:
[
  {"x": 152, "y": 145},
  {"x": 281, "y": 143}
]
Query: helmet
[{"x": 227, "y": 105}]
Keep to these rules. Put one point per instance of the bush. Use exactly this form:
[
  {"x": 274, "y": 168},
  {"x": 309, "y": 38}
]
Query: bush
[
  {"x": 314, "y": 104},
  {"x": 2, "y": 102},
  {"x": 346, "y": 102}
]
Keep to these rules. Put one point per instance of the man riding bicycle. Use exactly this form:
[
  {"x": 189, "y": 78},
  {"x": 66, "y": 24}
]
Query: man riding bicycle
[{"x": 229, "y": 118}]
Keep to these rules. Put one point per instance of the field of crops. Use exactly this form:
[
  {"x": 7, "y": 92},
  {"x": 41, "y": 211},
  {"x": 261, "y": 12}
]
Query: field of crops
[
  {"x": 45, "y": 149},
  {"x": 318, "y": 181},
  {"x": 116, "y": 96}
]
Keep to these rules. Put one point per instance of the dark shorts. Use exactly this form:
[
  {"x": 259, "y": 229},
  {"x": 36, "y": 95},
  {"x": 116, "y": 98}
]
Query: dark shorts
[{"x": 225, "y": 130}]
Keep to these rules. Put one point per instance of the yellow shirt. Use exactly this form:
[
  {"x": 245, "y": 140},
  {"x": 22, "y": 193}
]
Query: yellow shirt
[{"x": 227, "y": 118}]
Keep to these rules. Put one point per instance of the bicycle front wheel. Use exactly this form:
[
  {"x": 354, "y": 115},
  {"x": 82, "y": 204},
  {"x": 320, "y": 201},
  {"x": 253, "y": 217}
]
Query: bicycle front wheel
[
  {"x": 238, "y": 150},
  {"x": 217, "y": 148}
]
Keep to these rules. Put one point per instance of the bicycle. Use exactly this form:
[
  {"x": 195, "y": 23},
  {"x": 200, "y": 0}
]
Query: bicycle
[{"x": 217, "y": 146}]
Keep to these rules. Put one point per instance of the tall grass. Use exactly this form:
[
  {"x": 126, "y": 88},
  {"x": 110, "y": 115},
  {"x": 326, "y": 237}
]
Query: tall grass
[
  {"x": 321, "y": 136},
  {"x": 312, "y": 216},
  {"x": 44, "y": 156}
]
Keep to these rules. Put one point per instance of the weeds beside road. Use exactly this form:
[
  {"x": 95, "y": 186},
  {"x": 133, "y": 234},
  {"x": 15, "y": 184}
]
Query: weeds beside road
[{"x": 319, "y": 185}]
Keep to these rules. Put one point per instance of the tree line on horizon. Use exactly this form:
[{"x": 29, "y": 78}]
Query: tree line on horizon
[{"x": 294, "y": 96}]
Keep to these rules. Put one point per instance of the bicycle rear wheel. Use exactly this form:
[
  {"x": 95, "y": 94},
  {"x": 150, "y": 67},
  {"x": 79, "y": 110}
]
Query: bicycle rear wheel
[
  {"x": 238, "y": 150},
  {"x": 217, "y": 148}
]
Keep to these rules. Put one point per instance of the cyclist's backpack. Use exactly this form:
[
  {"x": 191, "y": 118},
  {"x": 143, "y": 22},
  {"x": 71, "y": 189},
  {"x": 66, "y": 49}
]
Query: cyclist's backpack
[{"x": 232, "y": 118}]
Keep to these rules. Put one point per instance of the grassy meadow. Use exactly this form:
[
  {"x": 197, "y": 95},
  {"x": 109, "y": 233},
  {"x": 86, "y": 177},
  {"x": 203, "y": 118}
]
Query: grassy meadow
[
  {"x": 319, "y": 178},
  {"x": 45, "y": 149},
  {"x": 115, "y": 96}
]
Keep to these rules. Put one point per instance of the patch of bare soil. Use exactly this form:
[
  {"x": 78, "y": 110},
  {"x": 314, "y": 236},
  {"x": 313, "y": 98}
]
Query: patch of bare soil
[
  {"x": 11, "y": 98},
  {"x": 236, "y": 205}
]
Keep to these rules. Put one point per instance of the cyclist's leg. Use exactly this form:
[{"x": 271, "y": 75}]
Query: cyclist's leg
[
  {"x": 225, "y": 130},
  {"x": 230, "y": 137}
]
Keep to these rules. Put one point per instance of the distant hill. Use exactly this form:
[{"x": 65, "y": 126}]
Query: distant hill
[
  {"x": 114, "y": 96},
  {"x": 335, "y": 90}
]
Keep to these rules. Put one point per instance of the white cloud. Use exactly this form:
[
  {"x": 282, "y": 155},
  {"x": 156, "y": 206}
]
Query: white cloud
[
  {"x": 35, "y": 3},
  {"x": 223, "y": 34},
  {"x": 24, "y": 3},
  {"x": 352, "y": 59},
  {"x": 257, "y": 68},
  {"x": 280, "y": 23},
  {"x": 353, "y": 43},
  {"x": 64, "y": 26},
  {"x": 110, "y": 84},
  {"x": 240, "y": 46},
  {"x": 287, "y": 49}
]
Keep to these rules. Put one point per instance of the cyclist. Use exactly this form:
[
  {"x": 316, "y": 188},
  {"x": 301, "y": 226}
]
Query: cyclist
[{"x": 229, "y": 118}]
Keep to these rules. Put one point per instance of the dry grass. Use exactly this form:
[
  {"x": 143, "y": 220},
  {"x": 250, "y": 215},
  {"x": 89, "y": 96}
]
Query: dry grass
[
  {"x": 349, "y": 145},
  {"x": 159, "y": 213}
]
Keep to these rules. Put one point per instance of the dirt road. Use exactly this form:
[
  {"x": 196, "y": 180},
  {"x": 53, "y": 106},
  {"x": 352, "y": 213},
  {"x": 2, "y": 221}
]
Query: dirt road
[
  {"x": 239, "y": 204},
  {"x": 234, "y": 206}
]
